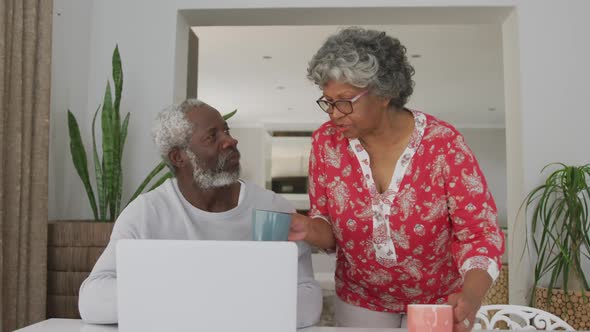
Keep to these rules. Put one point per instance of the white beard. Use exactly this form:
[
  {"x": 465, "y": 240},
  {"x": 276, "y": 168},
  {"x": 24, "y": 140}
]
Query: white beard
[{"x": 209, "y": 179}]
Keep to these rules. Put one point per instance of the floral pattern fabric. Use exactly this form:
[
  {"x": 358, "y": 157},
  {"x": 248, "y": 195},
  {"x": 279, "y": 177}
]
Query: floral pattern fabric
[{"x": 414, "y": 242}]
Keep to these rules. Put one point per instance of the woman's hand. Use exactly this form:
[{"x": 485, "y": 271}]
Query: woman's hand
[
  {"x": 465, "y": 307},
  {"x": 467, "y": 302},
  {"x": 315, "y": 231},
  {"x": 299, "y": 227}
]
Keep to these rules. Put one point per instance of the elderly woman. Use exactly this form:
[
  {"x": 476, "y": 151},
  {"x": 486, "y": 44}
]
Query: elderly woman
[{"x": 396, "y": 192}]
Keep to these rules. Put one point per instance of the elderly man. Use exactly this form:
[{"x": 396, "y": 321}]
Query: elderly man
[{"x": 205, "y": 201}]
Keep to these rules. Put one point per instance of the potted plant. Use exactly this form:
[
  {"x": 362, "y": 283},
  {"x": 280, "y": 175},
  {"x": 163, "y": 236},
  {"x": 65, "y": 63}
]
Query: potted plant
[
  {"x": 75, "y": 245},
  {"x": 560, "y": 233}
]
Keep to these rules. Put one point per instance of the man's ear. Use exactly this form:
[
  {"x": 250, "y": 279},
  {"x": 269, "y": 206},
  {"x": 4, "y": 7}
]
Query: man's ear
[{"x": 178, "y": 157}]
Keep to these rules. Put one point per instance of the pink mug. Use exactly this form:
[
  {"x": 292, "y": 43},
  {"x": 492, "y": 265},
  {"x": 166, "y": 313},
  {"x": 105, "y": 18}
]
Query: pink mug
[{"x": 430, "y": 318}]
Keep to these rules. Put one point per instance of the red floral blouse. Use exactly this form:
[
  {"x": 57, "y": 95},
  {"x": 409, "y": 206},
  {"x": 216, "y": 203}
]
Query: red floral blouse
[{"x": 415, "y": 241}]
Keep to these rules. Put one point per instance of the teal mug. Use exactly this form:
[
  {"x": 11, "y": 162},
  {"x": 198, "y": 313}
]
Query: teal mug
[{"x": 270, "y": 225}]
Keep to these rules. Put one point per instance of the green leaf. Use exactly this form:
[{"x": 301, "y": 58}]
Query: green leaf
[
  {"x": 121, "y": 147},
  {"x": 147, "y": 180},
  {"x": 100, "y": 183},
  {"x": 78, "y": 153},
  {"x": 124, "y": 135},
  {"x": 110, "y": 154},
  {"x": 117, "y": 184},
  {"x": 117, "y": 77},
  {"x": 163, "y": 179},
  {"x": 229, "y": 115}
]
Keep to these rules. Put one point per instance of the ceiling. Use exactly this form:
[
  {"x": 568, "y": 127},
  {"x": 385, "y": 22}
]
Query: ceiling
[
  {"x": 355, "y": 13},
  {"x": 261, "y": 71}
]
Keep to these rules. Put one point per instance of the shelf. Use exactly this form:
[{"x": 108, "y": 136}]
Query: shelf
[{"x": 300, "y": 201}]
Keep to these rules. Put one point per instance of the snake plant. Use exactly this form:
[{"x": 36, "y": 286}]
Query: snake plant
[{"x": 106, "y": 204}]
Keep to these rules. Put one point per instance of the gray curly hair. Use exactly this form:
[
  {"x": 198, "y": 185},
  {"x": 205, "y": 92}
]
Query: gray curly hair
[
  {"x": 172, "y": 129},
  {"x": 366, "y": 59}
]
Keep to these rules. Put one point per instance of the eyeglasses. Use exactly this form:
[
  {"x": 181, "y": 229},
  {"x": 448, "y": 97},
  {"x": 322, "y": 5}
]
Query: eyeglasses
[{"x": 344, "y": 106}]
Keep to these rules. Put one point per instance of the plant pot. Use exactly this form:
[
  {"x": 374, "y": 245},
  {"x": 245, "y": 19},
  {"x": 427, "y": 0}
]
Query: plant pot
[
  {"x": 575, "y": 311},
  {"x": 498, "y": 293},
  {"x": 73, "y": 247}
]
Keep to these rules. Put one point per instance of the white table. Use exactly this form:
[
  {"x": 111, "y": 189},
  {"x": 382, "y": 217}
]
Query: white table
[{"x": 76, "y": 325}]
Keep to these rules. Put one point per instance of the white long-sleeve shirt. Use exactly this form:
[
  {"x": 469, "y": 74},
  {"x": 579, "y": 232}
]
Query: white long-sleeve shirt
[{"x": 164, "y": 213}]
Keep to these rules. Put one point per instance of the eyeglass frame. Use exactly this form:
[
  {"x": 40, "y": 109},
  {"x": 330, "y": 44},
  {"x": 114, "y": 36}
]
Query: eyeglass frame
[{"x": 331, "y": 104}]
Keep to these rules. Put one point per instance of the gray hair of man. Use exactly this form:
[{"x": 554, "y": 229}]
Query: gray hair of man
[
  {"x": 365, "y": 59},
  {"x": 173, "y": 130}
]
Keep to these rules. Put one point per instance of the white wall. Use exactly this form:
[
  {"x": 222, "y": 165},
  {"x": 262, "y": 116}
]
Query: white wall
[
  {"x": 69, "y": 90},
  {"x": 520, "y": 271},
  {"x": 489, "y": 147},
  {"x": 554, "y": 68},
  {"x": 552, "y": 45},
  {"x": 520, "y": 266}
]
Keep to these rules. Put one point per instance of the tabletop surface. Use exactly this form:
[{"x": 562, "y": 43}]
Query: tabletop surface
[{"x": 76, "y": 325}]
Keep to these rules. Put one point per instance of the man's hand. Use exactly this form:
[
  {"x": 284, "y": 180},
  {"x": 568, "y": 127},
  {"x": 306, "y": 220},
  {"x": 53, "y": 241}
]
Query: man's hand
[
  {"x": 465, "y": 307},
  {"x": 299, "y": 227}
]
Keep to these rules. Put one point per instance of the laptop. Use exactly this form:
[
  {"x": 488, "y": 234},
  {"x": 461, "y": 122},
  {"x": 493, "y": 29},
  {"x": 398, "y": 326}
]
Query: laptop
[{"x": 209, "y": 286}]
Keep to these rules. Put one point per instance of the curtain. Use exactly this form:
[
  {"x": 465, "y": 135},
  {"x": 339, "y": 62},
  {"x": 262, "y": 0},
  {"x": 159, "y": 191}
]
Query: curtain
[{"x": 25, "y": 77}]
